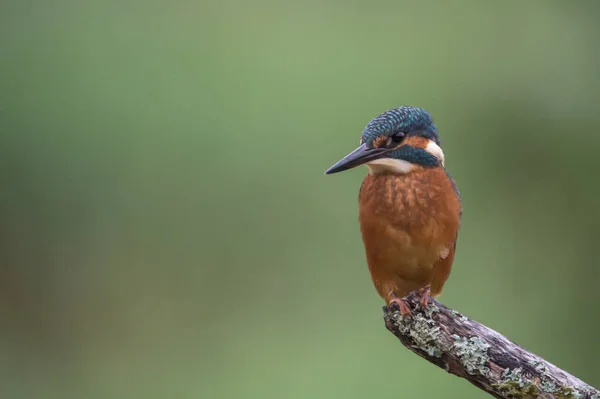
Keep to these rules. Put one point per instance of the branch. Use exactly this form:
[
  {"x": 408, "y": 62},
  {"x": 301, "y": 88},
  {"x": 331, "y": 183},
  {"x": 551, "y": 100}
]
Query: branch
[{"x": 482, "y": 356}]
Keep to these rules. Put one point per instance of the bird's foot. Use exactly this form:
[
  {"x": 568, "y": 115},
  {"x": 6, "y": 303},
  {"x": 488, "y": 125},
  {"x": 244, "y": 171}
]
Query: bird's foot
[
  {"x": 424, "y": 294},
  {"x": 402, "y": 305}
]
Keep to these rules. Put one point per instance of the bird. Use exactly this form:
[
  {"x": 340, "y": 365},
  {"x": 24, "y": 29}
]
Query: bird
[{"x": 409, "y": 207}]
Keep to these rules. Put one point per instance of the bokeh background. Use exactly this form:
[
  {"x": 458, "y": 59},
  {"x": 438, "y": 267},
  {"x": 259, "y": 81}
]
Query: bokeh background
[{"x": 166, "y": 229}]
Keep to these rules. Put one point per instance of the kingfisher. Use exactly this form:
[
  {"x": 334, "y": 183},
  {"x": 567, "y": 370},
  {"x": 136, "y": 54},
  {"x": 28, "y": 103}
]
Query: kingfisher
[{"x": 409, "y": 207}]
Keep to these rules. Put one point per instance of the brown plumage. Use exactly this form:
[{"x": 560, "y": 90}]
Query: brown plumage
[{"x": 409, "y": 224}]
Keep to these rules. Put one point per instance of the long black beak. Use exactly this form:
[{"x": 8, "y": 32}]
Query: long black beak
[{"x": 361, "y": 155}]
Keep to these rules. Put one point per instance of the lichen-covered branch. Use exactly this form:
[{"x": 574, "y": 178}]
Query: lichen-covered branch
[{"x": 480, "y": 355}]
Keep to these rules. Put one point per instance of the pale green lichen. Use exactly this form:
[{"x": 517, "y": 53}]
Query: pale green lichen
[
  {"x": 561, "y": 391},
  {"x": 539, "y": 366},
  {"x": 473, "y": 354},
  {"x": 422, "y": 331},
  {"x": 568, "y": 393},
  {"x": 431, "y": 309},
  {"x": 549, "y": 386},
  {"x": 515, "y": 375},
  {"x": 516, "y": 385},
  {"x": 514, "y": 390}
]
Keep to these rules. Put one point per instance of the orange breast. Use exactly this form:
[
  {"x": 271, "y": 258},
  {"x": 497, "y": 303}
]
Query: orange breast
[{"x": 409, "y": 224}]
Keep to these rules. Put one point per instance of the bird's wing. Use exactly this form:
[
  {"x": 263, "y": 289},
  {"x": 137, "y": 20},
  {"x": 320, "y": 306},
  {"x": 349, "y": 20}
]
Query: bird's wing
[{"x": 441, "y": 270}]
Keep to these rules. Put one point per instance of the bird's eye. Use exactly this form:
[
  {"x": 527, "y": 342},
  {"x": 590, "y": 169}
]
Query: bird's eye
[
  {"x": 396, "y": 138},
  {"x": 384, "y": 141}
]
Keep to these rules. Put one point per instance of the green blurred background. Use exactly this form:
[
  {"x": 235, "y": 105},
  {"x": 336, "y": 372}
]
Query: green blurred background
[{"x": 166, "y": 230}]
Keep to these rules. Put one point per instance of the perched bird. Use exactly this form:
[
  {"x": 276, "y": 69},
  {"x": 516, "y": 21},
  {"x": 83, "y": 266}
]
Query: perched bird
[{"x": 409, "y": 206}]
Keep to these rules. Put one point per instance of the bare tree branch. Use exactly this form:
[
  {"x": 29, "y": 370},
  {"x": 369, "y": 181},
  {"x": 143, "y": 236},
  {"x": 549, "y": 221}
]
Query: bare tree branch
[{"x": 482, "y": 356}]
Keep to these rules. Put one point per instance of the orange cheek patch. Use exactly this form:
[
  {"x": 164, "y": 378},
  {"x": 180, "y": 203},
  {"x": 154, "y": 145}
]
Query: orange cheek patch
[
  {"x": 380, "y": 141},
  {"x": 418, "y": 142}
]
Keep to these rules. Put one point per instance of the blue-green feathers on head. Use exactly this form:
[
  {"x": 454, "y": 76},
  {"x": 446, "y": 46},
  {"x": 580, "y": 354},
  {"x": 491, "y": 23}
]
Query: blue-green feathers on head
[
  {"x": 399, "y": 123},
  {"x": 409, "y": 120}
]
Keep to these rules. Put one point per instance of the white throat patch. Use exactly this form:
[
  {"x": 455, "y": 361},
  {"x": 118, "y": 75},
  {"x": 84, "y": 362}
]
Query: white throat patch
[
  {"x": 384, "y": 165},
  {"x": 400, "y": 166}
]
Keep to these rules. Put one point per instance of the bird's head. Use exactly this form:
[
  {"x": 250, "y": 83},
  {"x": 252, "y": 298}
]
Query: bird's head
[{"x": 397, "y": 141}]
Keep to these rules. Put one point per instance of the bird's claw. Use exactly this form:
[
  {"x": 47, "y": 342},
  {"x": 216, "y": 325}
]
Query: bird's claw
[
  {"x": 402, "y": 306},
  {"x": 424, "y": 293}
]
